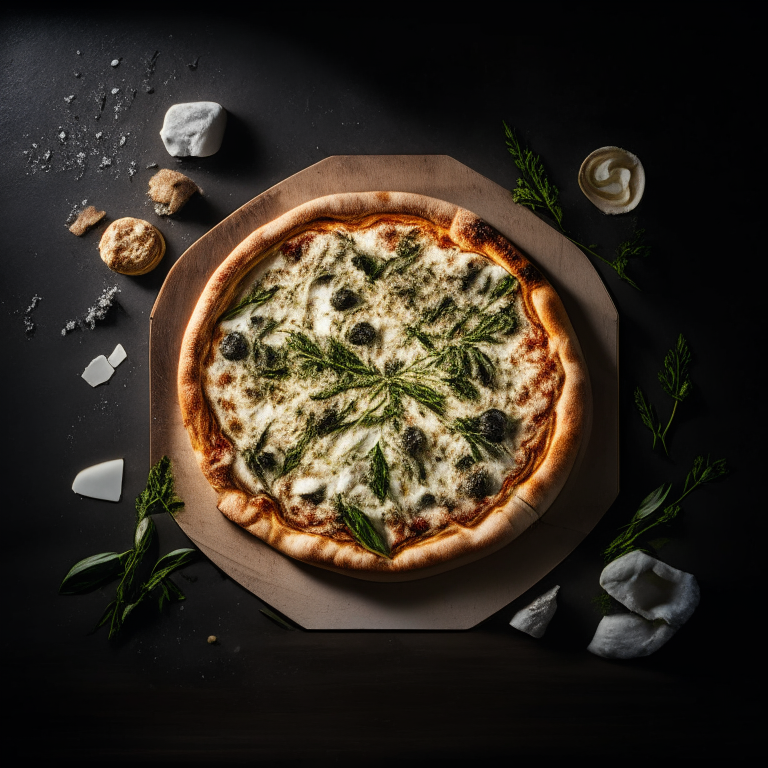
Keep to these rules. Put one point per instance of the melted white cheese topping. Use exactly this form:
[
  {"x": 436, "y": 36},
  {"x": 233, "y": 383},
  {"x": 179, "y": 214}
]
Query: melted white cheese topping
[{"x": 270, "y": 403}]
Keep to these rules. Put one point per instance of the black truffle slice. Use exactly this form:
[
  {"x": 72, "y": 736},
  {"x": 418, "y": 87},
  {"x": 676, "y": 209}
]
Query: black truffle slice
[
  {"x": 344, "y": 298},
  {"x": 493, "y": 425},
  {"x": 477, "y": 485},
  {"x": 234, "y": 346},
  {"x": 362, "y": 334},
  {"x": 414, "y": 440}
]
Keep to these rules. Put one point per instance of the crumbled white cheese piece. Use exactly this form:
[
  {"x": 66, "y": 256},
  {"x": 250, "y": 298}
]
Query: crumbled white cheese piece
[
  {"x": 101, "y": 481},
  {"x": 98, "y": 371},
  {"x": 534, "y": 618},
  {"x": 117, "y": 356}
]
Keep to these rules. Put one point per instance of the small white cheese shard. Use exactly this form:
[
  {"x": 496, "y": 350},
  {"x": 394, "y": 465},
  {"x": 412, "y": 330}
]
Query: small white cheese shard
[
  {"x": 98, "y": 371},
  {"x": 101, "y": 481},
  {"x": 651, "y": 588},
  {"x": 629, "y": 636},
  {"x": 195, "y": 129},
  {"x": 117, "y": 356},
  {"x": 534, "y": 618}
]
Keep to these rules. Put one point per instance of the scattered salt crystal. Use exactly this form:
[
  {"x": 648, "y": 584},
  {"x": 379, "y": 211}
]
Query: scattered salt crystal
[
  {"x": 152, "y": 165},
  {"x": 29, "y": 326},
  {"x": 79, "y": 53},
  {"x": 118, "y": 355},
  {"x": 115, "y": 91},
  {"x": 99, "y": 134},
  {"x": 47, "y": 155},
  {"x": 98, "y": 371},
  {"x": 69, "y": 99},
  {"x": 98, "y": 311},
  {"x": 122, "y": 141},
  {"x": 78, "y": 74},
  {"x": 105, "y": 162},
  {"x": 63, "y": 136},
  {"x": 115, "y": 62},
  {"x": 534, "y": 618},
  {"x": 101, "y": 481}
]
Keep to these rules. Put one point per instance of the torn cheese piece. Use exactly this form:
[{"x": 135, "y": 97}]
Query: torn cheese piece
[
  {"x": 98, "y": 371},
  {"x": 101, "y": 481},
  {"x": 117, "y": 356}
]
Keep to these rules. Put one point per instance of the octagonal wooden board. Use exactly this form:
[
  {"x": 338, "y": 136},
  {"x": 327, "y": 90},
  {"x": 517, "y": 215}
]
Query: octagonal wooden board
[{"x": 459, "y": 598}]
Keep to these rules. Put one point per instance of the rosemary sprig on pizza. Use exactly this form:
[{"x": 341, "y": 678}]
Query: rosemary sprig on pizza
[{"x": 380, "y": 383}]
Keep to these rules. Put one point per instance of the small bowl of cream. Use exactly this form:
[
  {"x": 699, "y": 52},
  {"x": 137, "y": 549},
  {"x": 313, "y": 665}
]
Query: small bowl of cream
[{"x": 613, "y": 179}]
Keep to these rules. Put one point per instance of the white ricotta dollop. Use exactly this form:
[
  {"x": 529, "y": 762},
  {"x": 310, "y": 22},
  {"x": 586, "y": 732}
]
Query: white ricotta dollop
[{"x": 612, "y": 179}]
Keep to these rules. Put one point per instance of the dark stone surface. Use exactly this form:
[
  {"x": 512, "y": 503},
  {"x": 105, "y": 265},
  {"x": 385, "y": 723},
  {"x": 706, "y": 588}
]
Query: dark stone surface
[{"x": 293, "y": 98}]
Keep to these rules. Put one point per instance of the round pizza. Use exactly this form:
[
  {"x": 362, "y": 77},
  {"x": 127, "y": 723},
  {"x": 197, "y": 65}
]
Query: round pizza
[{"x": 383, "y": 385}]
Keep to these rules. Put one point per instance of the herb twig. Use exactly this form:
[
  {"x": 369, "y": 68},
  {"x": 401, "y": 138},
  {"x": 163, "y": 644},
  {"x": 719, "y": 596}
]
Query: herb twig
[
  {"x": 361, "y": 528},
  {"x": 535, "y": 191},
  {"x": 158, "y": 496},
  {"x": 648, "y": 515},
  {"x": 676, "y": 382},
  {"x": 255, "y": 298}
]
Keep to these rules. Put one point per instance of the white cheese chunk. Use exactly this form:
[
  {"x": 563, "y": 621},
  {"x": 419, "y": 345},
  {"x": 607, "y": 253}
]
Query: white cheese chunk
[
  {"x": 98, "y": 371},
  {"x": 101, "y": 481},
  {"x": 117, "y": 356}
]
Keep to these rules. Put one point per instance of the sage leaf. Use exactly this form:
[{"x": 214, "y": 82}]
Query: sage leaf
[
  {"x": 92, "y": 572},
  {"x": 379, "y": 477},
  {"x": 361, "y": 528},
  {"x": 171, "y": 562},
  {"x": 652, "y": 501}
]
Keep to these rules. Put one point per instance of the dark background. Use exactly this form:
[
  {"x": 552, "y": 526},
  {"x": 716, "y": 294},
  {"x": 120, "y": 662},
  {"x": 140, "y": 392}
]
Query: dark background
[{"x": 297, "y": 92}]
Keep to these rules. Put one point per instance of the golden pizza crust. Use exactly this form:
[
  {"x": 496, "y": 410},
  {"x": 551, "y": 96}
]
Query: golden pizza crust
[{"x": 514, "y": 510}]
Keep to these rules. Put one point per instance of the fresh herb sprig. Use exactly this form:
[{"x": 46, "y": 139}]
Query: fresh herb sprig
[
  {"x": 255, "y": 298},
  {"x": 535, "y": 191},
  {"x": 407, "y": 251},
  {"x": 97, "y": 570},
  {"x": 648, "y": 515},
  {"x": 378, "y": 479},
  {"x": 676, "y": 382},
  {"x": 361, "y": 528}
]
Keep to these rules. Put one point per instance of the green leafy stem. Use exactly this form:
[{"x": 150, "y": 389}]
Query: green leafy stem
[
  {"x": 535, "y": 191},
  {"x": 648, "y": 515},
  {"x": 676, "y": 382},
  {"x": 97, "y": 570}
]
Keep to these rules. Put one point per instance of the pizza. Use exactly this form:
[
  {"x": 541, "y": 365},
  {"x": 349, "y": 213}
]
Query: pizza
[{"x": 383, "y": 385}]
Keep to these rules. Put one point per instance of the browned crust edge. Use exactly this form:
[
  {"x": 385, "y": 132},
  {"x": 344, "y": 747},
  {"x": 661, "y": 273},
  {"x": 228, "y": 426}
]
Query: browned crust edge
[{"x": 457, "y": 544}]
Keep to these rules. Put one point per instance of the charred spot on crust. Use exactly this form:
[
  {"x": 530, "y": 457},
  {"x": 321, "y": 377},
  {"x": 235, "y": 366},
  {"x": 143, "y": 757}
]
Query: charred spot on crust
[
  {"x": 344, "y": 298},
  {"x": 530, "y": 274},
  {"x": 362, "y": 334},
  {"x": 479, "y": 232},
  {"x": 234, "y": 346},
  {"x": 294, "y": 249}
]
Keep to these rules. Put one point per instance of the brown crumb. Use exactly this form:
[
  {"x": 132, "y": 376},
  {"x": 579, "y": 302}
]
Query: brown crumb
[
  {"x": 86, "y": 220},
  {"x": 212, "y": 639},
  {"x": 170, "y": 190},
  {"x": 131, "y": 246}
]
